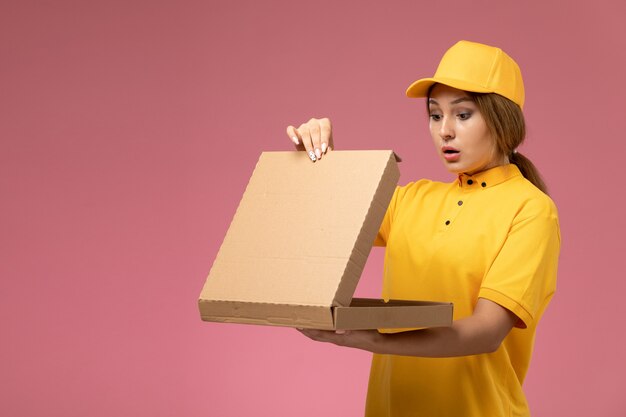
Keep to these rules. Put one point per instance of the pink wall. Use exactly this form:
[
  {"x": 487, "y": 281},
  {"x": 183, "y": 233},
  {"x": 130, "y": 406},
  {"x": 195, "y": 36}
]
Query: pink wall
[{"x": 128, "y": 130}]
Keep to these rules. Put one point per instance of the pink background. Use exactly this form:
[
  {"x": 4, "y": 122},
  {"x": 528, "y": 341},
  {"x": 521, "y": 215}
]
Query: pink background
[{"x": 128, "y": 130}]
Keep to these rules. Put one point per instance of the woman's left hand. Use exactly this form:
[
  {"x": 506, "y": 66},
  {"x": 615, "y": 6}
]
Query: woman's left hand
[
  {"x": 482, "y": 332},
  {"x": 360, "y": 339}
]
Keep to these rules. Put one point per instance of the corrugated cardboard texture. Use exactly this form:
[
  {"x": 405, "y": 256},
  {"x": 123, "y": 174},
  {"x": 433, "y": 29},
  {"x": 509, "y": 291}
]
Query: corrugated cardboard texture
[
  {"x": 312, "y": 317},
  {"x": 301, "y": 234}
]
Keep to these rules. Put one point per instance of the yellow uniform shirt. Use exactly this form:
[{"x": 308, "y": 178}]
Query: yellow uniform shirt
[{"x": 492, "y": 235}]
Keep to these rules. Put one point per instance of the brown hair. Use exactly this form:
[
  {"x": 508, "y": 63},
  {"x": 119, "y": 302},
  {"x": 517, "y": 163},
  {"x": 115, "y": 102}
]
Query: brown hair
[{"x": 505, "y": 121}]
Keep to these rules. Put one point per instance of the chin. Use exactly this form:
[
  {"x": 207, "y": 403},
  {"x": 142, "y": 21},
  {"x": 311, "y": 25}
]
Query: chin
[
  {"x": 455, "y": 169},
  {"x": 459, "y": 168}
]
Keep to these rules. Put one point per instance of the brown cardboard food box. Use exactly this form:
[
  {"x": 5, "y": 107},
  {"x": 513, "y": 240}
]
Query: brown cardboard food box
[{"x": 298, "y": 242}]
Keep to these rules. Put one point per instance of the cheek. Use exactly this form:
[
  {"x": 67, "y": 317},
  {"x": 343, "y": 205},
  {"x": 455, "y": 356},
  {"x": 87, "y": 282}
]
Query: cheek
[
  {"x": 433, "y": 134},
  {"x": 431, "y": 128}
]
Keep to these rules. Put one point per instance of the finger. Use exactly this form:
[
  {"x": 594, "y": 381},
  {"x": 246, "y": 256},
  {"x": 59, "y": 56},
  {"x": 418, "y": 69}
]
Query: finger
[
  {"x": 326, "y": 134},
  {"x": 305, "y": 136},
  {"x": 313, "y": 334},
  {"x": 293, "y": 135},
  {"x": 310, "y": 333},
  {"x": 314, "y": 128},
  {"x": 327, "y": 336}
]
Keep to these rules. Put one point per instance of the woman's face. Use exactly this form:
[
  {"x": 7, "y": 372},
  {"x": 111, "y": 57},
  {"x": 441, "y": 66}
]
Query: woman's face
[{"x": 460, "y": 133}]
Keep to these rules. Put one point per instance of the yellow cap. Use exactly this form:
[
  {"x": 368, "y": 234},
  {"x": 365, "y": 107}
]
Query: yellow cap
[{"x": 475, "y": 67}]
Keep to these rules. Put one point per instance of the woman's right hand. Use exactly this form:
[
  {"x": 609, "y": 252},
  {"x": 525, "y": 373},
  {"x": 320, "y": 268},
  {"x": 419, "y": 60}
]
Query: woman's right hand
[{"x": 315, "y": 137}]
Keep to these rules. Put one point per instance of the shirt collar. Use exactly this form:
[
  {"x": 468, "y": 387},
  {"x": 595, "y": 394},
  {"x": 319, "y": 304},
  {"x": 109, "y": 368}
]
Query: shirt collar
[{"x": 488, "y": 178}]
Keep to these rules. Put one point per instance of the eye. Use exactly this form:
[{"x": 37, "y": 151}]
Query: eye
[
  {"x": 464, "y": 115},
  {"x": 435, "y": 117}
]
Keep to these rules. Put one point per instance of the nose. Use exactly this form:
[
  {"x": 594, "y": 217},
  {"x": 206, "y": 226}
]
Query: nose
[{"x": 446, "y": 130}]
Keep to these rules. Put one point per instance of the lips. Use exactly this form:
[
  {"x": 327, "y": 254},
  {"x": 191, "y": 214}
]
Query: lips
[{"x": 450, "y": 154}]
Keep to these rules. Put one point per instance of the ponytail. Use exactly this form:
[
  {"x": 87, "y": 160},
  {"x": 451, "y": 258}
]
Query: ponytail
[
  {"x": 506, "y": 124},
  {"x": 528, "y": 170}
]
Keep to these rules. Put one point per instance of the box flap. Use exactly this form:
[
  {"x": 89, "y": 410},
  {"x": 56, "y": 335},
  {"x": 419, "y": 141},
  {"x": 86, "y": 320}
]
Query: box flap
[{"x": 303, "y": 231}]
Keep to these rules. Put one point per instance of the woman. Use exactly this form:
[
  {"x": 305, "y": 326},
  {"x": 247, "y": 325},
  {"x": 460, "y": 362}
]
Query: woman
[{"x": 488, "y": 242}]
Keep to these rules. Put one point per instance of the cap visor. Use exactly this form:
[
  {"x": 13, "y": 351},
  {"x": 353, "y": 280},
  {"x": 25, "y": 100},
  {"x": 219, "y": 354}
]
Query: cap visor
[{"x": 420, "y": 87}]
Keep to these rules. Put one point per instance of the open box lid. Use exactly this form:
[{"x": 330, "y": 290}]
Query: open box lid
[{"x": 300, "y": 238}]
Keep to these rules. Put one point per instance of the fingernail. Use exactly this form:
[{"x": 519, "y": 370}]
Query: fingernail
[
  {"x": 295, "y": 140},
  {"x": 312, "y": 156},
  {"x": 324, "y": 147},
  {"x": 318, "y": 153}
]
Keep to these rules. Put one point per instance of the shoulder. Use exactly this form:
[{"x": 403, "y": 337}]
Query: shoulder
[
  {"x": 533, "y": 209},
  {"x": 531, "y": 201},
  {"x": 420, "y": 188},
  {"x": 413, "y": 195}
]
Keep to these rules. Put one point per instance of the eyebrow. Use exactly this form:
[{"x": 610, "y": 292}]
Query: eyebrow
[{"x": 457, "y": 101}]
